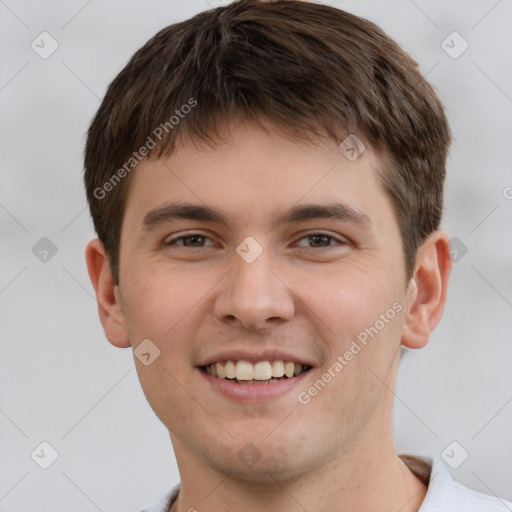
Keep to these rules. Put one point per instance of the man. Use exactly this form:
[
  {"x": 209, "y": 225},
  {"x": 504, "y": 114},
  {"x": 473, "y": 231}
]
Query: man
[{"x": 266, "y": 181}]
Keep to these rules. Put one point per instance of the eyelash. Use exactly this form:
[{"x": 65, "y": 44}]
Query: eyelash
[{"x": 309, "y": 235}]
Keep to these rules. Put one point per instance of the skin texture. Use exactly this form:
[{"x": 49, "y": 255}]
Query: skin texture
[{"x": 308, "y": 297}]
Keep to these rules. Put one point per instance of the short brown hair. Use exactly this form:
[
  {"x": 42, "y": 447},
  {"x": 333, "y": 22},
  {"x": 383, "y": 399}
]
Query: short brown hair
[{"x": 310, "y": 69}]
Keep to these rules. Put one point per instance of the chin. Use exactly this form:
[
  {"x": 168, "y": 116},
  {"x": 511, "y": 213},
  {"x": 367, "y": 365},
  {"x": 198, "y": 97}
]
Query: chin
[{"x": 263, "y": 466}]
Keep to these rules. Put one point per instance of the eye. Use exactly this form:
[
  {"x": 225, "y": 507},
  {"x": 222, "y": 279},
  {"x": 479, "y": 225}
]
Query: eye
[
  {"x": 198, "y": 241},
  {"x": 190, "y": 240},
  {"x": 322, "y": 240}
]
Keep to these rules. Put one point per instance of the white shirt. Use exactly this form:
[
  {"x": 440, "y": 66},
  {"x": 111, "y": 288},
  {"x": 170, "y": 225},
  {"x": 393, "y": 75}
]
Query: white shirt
[{"x": 444, "y": 493}]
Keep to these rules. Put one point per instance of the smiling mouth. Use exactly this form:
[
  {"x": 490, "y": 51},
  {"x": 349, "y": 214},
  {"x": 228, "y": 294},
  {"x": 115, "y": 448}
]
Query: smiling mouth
[{"x": 261, "y": 372}]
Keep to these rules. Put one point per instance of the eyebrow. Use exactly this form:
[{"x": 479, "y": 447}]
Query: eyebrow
[{"x": 188, "y": 211}]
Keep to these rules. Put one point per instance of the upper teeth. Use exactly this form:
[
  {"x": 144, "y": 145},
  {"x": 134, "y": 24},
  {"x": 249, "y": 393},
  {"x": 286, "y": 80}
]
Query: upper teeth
[{"x": 261, "y": 370}]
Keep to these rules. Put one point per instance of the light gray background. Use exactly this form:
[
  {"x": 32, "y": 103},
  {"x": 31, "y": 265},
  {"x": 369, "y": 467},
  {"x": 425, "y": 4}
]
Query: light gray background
[{"x": 63, "y": 383}]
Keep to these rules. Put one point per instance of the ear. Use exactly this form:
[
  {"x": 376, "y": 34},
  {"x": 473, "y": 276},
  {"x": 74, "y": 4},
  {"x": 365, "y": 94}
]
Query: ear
[
  {"x": 428, "y": 288},
  {"x": 110, "y": 308}
]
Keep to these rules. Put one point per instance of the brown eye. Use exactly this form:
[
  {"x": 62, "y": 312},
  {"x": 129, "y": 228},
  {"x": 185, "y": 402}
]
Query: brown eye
[
  {"x": 191, "y": 241},
  {"x": 321, "y": 240}
]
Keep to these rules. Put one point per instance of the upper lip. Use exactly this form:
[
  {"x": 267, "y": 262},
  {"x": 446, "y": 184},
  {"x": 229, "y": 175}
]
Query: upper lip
[{"x": 254, "y": 356}]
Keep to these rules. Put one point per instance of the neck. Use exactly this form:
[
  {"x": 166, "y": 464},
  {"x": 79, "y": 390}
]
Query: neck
[{"x": 373, "y": 481}]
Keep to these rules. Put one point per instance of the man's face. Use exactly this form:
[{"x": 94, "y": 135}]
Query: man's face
[{"x": 247, "y": 287}]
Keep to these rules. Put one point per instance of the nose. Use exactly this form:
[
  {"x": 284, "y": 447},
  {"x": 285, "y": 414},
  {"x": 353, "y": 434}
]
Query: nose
[{"x": 254, "y": 295}]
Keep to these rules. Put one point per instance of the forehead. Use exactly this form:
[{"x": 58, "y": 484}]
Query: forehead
[{"x": 255, "y": 173}]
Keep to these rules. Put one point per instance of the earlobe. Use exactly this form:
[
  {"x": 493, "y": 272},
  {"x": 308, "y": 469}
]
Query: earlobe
[
  {"x": 110, "y": 308},
  {"x": 427, "y": 293}
]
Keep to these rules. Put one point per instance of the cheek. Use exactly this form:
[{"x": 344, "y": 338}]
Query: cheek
[
  {"x": 347, "y": 300},
  {"x": 163, "y": 307},
  {"x": 362, "y": 317},
  {"x": 163, "y": 300}
]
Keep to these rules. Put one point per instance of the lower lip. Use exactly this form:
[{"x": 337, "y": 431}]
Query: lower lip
[{"x": 253, "y": 392}]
